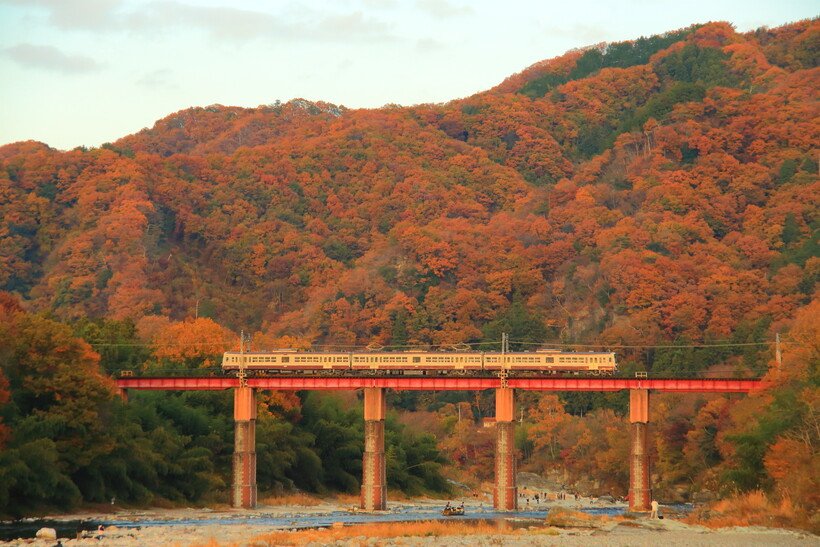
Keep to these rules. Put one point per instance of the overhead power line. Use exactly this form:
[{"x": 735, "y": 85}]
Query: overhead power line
[
  {"x": 470, "y": 344},
  {"x": 648, "y": 346}
]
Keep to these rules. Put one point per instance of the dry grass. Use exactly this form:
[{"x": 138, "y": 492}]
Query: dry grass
[
  {"x": 392, "y": 530},
  {"x": 751, "y": 509}
]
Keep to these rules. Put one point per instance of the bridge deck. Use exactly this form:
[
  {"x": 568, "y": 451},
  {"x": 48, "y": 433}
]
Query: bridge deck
[{"x": 693, "y": 385}]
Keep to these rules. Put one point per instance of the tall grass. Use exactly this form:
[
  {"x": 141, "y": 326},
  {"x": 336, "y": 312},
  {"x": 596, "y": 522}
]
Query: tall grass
[{"x": 751, "y": 509}]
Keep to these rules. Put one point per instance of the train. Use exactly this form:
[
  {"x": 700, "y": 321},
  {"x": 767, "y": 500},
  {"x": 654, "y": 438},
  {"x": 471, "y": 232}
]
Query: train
[{"x": 545, "y": 361}]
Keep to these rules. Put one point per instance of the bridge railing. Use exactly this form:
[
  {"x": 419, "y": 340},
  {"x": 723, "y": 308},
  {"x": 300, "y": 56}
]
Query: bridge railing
[{"x": 216, "y": 372}]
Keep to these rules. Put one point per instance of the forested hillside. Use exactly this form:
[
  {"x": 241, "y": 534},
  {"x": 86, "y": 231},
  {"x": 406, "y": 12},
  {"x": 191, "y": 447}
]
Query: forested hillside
[
  {"x": 655, "y": 190},
  {"x": 660, "y": 192}
]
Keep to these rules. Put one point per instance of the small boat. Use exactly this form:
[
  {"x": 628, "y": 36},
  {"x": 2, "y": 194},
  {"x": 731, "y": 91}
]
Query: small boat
[{"x": 453, "y": 511}]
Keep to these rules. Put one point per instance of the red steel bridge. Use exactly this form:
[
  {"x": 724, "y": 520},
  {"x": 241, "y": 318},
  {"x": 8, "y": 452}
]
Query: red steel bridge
[
  {"x": 374, "y": 483},
  {"x": 442, "y": 383}
]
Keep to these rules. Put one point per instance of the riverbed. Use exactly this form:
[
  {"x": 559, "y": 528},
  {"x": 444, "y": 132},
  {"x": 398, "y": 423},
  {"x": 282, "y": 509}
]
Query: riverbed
[{"x": 226, "y": 526}]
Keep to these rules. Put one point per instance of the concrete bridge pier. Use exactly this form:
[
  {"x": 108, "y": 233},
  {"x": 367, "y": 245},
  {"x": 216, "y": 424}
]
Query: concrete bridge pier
[
  {"x": 505, "y": 492},
  {"x": 374, "y": 478},
  {"x": 244, "y": 455},
  {"x": 640, "y": 493}
]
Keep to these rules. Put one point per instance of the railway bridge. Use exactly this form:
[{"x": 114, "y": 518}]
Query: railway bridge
[{"x": 374, "y": 480}]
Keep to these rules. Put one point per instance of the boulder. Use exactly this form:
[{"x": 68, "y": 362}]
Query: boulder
[{"x": 46, "y": 533}]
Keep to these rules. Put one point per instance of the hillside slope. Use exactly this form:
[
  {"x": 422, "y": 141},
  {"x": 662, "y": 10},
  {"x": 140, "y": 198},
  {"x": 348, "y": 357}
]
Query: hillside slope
[{"x": 662, "y": 189}]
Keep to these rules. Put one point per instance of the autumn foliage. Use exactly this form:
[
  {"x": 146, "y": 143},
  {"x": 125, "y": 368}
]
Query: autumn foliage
[
  {"x": 662, "y": 189},
  {"x": 659, "y": 192}
]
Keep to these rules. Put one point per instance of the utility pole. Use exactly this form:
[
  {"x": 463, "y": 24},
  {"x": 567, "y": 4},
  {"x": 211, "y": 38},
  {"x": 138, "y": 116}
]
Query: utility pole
[
  {"x": 241, "y": 374},
  {"x": 778, "y": 356},
  {"x": 505, "y": 345}
]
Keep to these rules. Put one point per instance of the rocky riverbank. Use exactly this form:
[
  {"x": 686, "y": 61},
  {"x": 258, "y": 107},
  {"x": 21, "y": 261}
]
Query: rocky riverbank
[{"x": 414, "y": 522}]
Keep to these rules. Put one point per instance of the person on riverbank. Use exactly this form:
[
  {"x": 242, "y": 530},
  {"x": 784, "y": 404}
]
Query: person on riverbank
[{"x": 654, "y": 513}]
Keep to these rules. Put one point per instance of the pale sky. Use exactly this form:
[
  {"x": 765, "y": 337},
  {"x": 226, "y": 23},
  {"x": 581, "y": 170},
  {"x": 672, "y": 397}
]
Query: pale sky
[{"x": 85, "y": 72}]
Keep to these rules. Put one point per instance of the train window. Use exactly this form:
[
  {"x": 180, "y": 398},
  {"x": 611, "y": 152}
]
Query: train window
[
  {"x": 285, "y": 359},
  {"x": 417, "y": 359}
]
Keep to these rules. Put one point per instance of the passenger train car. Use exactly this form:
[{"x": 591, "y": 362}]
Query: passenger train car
[{"x": 418, "y": 362}]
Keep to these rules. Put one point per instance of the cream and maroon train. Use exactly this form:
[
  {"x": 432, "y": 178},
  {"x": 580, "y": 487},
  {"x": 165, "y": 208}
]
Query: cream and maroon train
[{"x": 548, "y": 361}]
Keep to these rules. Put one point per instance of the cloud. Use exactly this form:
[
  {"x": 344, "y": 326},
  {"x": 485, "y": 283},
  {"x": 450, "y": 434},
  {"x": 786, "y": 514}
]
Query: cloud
[
  {"x": 50, "y": 58},
  {"x": 429, "y": 44},
  {"x": 443, "y": 8},
  {"x": 76, "y": 14},
  {"x": 239, "y": 25},
  {"x": 158, "y": 79},
  {"x": 350, "y": 27},
  {"x": 588, "y": 34},
  {"x": 221, "y": 23},
  {"x": 380, "y": 4}
]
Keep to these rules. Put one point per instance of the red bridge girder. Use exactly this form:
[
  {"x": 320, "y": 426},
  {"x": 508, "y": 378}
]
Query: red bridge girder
[
  {"x": 693, "y": 385},
  {"x": 443, "y": 383}
]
